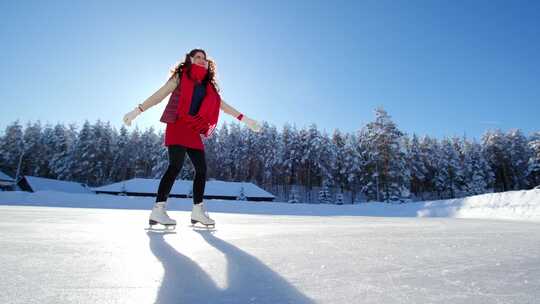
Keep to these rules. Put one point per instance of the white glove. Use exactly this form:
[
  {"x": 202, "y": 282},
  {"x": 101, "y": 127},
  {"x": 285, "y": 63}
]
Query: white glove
[
  {"x": 129, "y": 117},
  {"x": 252, "y": 124}
]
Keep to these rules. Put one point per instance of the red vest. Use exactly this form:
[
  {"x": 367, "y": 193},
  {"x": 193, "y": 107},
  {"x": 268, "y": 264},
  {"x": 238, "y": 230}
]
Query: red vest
[
  {"x": 170, "y": 114},
  {"x": 203, "y": 122}
]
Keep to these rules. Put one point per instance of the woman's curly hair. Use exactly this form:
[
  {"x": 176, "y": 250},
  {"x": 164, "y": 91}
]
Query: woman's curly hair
[{"x": 186, "y": 64}]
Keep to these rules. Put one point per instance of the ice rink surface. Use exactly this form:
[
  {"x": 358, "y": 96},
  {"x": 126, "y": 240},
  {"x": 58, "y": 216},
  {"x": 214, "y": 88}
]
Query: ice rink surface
[{"x": 91, "y": 255}]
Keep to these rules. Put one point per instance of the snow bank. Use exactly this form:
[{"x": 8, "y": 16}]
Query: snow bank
[{"x": 511, "y": 205}]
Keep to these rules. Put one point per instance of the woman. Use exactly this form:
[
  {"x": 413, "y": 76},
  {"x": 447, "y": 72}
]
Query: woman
[{"x": 192, "y": 112}]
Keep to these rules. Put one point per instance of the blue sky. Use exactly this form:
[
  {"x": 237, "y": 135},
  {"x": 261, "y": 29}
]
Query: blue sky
[{"x": 440, "y": 68}]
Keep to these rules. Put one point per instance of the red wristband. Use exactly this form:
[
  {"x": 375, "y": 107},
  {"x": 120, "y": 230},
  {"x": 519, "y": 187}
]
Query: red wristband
[{"x": 239, "y": 117}]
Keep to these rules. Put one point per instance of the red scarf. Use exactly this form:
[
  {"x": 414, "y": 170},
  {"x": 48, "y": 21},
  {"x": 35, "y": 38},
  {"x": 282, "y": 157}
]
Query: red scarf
[{"x": 204, "y": 122}]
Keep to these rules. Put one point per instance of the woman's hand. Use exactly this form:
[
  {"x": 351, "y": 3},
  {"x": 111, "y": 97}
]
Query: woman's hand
[
  {"x": 129, "y": 117},
  {"x": 252, "y": 124}
]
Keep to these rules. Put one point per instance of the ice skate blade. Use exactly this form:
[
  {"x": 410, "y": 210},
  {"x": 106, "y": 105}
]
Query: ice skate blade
[
  {"x": 164, "y": 229},
  {"x": 161, "y": 231},
  {"x": 194, "y": 224},
  {"x": 203, "y": 229},
  {"x": 167, "y": 226}
]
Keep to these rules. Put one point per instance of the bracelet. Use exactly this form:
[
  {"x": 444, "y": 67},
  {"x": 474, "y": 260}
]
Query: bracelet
[
  {"x": 239, "y": 117},
  {"x": 140, "y": 108}
]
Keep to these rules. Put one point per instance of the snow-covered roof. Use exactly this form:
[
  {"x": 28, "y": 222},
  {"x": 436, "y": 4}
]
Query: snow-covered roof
[
  {"x": 183, "y": 187},
  {"x": 47, "y": 184},
  {"x": 224, "y": 188},
  {"x": 5, "y": 177}
]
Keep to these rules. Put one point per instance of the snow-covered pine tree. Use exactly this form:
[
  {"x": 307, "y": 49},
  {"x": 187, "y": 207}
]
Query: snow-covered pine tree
[
  {"x": 353, "y": 165},
  {"x": 63, "y": 141},
  {"x": 429, "y": 151},
  {"x": 269, "y": 152},
  {"x": 102, "y": 134},
  {"x": 12, "y": 147},
  {"x": 253, "y": 156},
  {"x": 519, "y": 154},
  {"x": 224, "y": 161},
  {"x": 290, "y": 154},
  {"x": 241, "y": 151},
  {"x": 495, "y": 148},
  {"x": 161, "y": 160},
  {"x": 134, "y": 151},
  {"x": 47, "y": 144},
  {"x": 122, "y": 159},
  {"x": 385, "y": 159},
  {"x": 150, "y": 149},
  {"x": 34, "y": 150},
  {"x": 337, "y": 162},
  {"x": 81, "y": 157},
  {"x": 477, "y": 173},
  {"x": 326, "y": 157},
  {"x": 459, "y": 179},
  {"x": 237, "y": 151},
  {"x": 416, "y": 165},
  {"x": 449, "y": 177},
  {"x": 309, "y": 169},
  {"x": 533, "y": 170},
  {"x": 368, "y": 175},
  {"x": 324, "y": 195}
]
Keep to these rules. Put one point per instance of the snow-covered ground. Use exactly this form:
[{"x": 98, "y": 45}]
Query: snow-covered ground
[
  {"x": 511, "y": 205},
  {"x": 99, "y": 252}
]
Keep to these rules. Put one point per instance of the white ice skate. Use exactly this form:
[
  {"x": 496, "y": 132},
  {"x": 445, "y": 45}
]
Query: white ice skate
[
  {"x": 159, "y": 216},
  {"x": 200, "y": 215}
]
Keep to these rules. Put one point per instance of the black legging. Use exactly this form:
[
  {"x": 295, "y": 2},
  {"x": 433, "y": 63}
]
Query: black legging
[{"x": 176, "y": 161}]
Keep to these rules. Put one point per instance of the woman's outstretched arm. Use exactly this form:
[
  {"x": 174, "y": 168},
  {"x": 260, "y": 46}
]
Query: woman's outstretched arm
[
  {"x": 161, "y": 93},
  {"x": 153, "y": 100},
  {"x": 229, "y": 109},
  {"x": 252, "y": 124}
]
